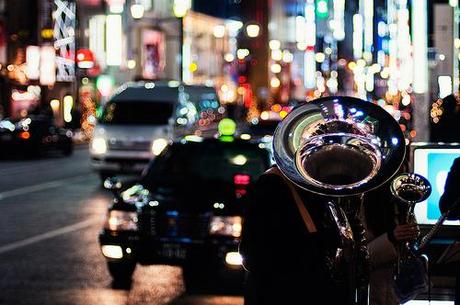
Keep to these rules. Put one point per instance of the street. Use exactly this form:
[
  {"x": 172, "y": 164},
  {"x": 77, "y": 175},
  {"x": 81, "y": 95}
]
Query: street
[{"x": 51, "y": 210}]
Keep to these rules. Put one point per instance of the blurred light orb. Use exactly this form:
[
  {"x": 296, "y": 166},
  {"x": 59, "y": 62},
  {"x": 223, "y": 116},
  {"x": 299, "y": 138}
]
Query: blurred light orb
[
  {"x": 131, "y": 64},
  {"x": 229, "y": 57},
  {"x": 218, "y": 31},
  {"x": 274, "y": 44},
  {"x": 137, "y": 11},
  {"x": 226, "y": 127},
  {"x": 252, "y": 30}
]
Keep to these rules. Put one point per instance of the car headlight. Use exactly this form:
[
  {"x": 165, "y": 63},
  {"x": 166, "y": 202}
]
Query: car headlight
[
  {"x": 121, "y": 221},
  {"x": 227, "y": 226},
  {"x": 158, "y": 145},
  {"x": 99, "y": 146}
]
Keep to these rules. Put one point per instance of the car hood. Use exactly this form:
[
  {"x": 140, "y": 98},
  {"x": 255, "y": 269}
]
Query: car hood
[{"x": 197, "y": 198}]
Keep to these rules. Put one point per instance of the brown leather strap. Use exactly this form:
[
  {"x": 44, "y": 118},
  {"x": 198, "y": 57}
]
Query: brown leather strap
[{"x": 308, "y": 221}]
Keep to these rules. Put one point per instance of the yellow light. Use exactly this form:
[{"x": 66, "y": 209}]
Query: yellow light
[
  {"x": 112, "y": 251},
  {"x": 193, "y": 67},
  {"x": 287, "y": 56},
  {"x": 275, "y": 68},
  {"x": 264, "y": 115},
  {"x": 277, "y": 55},
  {"x": 234, "y": 259},
  {"x": 180, "y": 7},
  {"x": 252, "y": 30},
  {"x": 384, "y": 73},
  {"x": 159, "y": 145},
  {"x": 47, "y": 33},
  {"x": 405, "y": 100},
  {"x": 98, "y": 146},
  {"x": 131, "y": 64},
  {"x": 239, "y": 160},
  {"x": 137, "y": 11},
  {"x": 320, "y": 57},
  {"x": 283, "y": 114},
  {"x": 219, "y": 31},
  {"x": 68, "y": 104},
  {"x": 274, "y": 44},
  {"x": 54, "y": 104},
  {"x": 275, "y": 82},
  {"x": 457, "y": 43},
  {"x": 242, "y": 53},
  {"x": 361, "y": 63},
  {"x": 351, "y": 65},
  {"x": 245, "y": 136},
  {"x": 241, "y": 90},
  {"x": 301, "y": 46},
  {"x": 229, "y": 57}
]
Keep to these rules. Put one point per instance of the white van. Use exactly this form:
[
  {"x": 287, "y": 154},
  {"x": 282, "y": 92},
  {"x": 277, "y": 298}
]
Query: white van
[{"x": 138, "y": 121}]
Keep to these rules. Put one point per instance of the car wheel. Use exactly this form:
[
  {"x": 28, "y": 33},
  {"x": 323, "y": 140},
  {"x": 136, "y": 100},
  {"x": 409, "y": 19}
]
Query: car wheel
[
  {"x": 194, "y": 280},
  {"x": 121, "y": 272}
]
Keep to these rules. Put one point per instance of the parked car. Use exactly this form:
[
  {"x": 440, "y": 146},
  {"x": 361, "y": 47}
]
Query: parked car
[
  {"x": 137, "y": 123},
  {"x": 187, "y": 210},
  {"x": 34, "y": 135}
]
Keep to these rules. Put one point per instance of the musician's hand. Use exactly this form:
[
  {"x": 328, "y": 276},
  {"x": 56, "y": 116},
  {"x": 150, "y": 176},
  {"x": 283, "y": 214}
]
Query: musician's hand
[{"x": 406, "y": 232}]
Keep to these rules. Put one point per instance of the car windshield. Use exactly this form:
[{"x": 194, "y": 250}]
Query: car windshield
[
  {"x": 206, "y": 166},
  {"x": 137, "y": 113}
]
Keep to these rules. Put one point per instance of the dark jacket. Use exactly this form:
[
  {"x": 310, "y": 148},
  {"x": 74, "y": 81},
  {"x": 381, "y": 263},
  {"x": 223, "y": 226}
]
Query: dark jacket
[
  {"x": 451, "y": 191},
  {"x": 287, "y": 264}
]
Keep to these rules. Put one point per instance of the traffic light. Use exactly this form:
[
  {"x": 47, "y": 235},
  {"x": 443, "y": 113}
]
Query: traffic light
[{"x": 322, "y": 9}]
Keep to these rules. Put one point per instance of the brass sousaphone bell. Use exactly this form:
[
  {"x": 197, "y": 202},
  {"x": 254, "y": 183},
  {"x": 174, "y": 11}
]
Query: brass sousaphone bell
[{"x": 339, "y": 146}]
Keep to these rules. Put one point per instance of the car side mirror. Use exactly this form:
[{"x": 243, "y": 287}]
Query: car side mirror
[{"x": 112, "y": 184}]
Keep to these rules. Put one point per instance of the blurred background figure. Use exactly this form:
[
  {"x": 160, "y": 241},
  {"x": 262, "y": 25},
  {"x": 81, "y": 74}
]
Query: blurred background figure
[
  {"x": 445, "y": 119},
  {"x": 449, "y": 201}
]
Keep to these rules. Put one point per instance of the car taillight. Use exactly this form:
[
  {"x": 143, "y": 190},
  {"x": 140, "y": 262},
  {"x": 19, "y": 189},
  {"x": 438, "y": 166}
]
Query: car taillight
[
  {"x": 241, "y": 179},
  {"x": 25, "y": 135},
  {"x": 241, "y": 182}
]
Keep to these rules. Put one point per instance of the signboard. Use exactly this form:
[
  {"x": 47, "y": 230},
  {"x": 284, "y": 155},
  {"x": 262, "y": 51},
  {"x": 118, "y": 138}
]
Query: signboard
[
  {"x": 153, "y": 53},
  {"x": 433, "y": 163}
]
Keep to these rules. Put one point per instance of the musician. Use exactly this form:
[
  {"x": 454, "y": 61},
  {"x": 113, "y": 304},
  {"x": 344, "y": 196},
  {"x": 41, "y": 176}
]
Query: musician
[
  {"x": 449, "y": 197},
  {"x": 287, "y": 263},
  {"x": 303, "y": 242}
]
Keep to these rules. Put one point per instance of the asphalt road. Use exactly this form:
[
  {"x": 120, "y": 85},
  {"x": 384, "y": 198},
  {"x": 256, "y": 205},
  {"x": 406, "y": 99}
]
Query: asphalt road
[{"x": 51, "y": 210}]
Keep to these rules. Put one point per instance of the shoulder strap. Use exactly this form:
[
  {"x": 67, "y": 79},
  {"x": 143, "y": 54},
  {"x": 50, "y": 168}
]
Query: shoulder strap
[{"x": 308, "y": 221}]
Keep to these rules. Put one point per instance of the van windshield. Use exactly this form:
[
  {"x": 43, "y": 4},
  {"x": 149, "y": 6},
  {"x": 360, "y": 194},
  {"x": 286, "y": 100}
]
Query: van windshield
[{"x": 137, "y": 113}]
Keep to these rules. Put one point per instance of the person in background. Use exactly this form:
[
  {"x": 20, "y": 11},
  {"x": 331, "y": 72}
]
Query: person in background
[
  {"x": 385, "y": 232},
  {"x": 447, "y": 201}
]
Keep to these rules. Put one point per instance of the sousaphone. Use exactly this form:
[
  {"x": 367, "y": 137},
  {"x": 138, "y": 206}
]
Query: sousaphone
[{"x": 341, "y": 147}]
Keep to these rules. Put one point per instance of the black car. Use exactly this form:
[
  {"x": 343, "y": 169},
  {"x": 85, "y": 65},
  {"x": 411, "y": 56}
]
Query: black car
[
  {"x": 34, "y": 135},
  {"x": 186, "y": 211}
]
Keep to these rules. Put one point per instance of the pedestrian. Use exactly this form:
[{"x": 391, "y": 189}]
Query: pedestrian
[
  {"x": 450, "y": 197},
  {"x": 385, "y": 233}
]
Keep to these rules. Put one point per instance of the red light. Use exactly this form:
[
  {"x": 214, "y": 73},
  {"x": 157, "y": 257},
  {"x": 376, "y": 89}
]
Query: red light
[
  {"x": 242, "y": 79},
  {"x": 25, "y": 135},
  {"x": 241, "y": 179}
]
